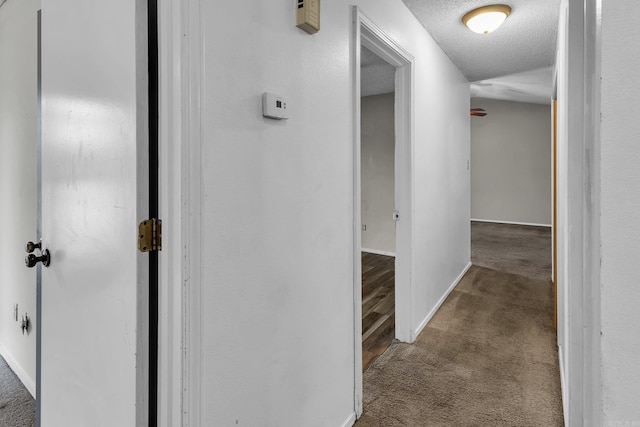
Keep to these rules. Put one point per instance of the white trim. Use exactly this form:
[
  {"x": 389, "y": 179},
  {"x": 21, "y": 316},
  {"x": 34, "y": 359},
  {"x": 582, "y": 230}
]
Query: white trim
[
  {"x": 530, "y": 224},
  {"x": 171, "y": 16},
  {"x": 441, "y": 301},
  {"x": 579, "y": 209},
  {"x": 192, "y": 70},
  {"x": 368, "y": 34},
  {"x": 563, "y": 387},
  {"x": 350, "y": 421},
  {"x": 17, "y": 369},
  {"x": 143, "y": 194},
  {"x": 592, "y": 302},
  {"x": 357, "y": 222},
  {"x": 378, "y": 252},
  {"x": 180, "y": 83}
]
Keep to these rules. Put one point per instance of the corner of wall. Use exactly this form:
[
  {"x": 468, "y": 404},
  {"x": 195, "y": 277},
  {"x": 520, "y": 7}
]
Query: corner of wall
[
  {"x": 429, "y": 316},
  {"x": 564, "y": 392},
  {"x": 28, "y": 382}
]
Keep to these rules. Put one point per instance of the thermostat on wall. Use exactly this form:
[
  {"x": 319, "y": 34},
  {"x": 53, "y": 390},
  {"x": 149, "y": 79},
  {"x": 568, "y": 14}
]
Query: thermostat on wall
[{"x": 274, "y": 106}]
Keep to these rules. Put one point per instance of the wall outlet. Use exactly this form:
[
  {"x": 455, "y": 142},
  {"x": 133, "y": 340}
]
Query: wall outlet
[{"x": 364, "y": 227}]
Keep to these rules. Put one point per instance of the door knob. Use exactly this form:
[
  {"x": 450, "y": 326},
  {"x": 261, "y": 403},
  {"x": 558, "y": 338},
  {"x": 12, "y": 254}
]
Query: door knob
[
  {"x": 30, "y": 246},
  {"x": 31, "y": 260}
]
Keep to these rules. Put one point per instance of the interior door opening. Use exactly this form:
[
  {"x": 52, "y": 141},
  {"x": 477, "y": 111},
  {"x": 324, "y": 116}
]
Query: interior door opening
[
  {"x": 394, "y": 243},
  {"x": 377, "y": 148}
]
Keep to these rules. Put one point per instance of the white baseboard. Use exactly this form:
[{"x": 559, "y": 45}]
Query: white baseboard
[
  {"x": 433, "y": 311},
  {"x": 350, "y": 421},
  {"x": 377, "y": 252},
  {"x": 28, "y": 382},
  {"x": 563, "y": 387},
  {"x": 531, "y": 224}
]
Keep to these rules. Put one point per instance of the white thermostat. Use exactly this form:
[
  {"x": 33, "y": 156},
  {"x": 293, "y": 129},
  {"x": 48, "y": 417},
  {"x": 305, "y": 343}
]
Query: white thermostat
[{"x": 274, "y": 106}]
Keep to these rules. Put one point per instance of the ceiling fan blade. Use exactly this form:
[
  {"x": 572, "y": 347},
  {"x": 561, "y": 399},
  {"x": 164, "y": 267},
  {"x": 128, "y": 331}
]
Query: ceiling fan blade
[
  {"x": 477, "y": 109},
  {"x": 478, "y": 114}
]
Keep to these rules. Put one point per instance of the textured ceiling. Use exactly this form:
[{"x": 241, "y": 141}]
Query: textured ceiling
[
  {"x": 525, "y": 42},
  {"x": 376, "y": 76},
  {"x": 533, "y": 86}
]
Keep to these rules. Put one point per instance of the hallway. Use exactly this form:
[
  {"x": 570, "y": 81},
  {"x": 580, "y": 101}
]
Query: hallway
[{"x": 488, "y": 357}]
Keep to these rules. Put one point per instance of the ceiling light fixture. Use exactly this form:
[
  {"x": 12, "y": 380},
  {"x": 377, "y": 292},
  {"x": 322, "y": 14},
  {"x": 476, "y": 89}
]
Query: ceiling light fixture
[{"x": 485, "y": 19}]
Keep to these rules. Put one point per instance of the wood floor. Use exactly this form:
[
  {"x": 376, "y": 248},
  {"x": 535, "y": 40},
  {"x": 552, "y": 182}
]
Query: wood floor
[{"x": 378, "y": 306}]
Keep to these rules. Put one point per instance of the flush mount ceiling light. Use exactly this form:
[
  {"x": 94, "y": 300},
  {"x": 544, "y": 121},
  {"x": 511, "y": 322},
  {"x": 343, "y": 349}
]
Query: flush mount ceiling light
[{"x": 485, "y": 19}]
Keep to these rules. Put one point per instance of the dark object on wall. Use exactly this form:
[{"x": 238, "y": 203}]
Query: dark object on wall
[
  {"x": 26, "y": 324},
  {"x": 478, "y": 112}
]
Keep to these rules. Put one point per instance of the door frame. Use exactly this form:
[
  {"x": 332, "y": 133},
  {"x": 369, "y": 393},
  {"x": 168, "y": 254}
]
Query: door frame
[
  {"x": 554, "y": 209},
  {"x": 180, "y": 86},
  {"x": 578, "y": 94},
  {"x": 367, "y": 33}
]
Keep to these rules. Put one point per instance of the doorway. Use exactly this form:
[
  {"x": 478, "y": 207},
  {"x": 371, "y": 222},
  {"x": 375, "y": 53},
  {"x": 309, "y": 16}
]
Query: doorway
[
  {"x": 377, "y": 148},
  {"x": 370, "y": 38}
]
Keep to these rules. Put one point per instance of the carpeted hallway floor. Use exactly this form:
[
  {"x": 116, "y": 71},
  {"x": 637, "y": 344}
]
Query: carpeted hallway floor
[
  {"x": 17, "y": 407},
  {"x": 517, "y": 249},
  {"x": 488, "y": 357}
]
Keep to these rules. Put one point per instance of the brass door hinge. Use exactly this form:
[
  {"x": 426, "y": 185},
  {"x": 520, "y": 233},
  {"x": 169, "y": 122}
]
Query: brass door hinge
[{"x": 150, "y": 235}]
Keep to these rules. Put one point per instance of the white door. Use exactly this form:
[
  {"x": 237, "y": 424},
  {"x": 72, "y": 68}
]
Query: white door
[{"x": 94, "y": 132}]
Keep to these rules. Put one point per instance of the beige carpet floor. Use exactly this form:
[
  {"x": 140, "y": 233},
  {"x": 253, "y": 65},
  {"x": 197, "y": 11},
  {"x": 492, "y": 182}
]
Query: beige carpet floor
[
  {"x": 487, "y": 358},
  {"x": 517, "y": 249},
  {"x": 17, "y": 407}
]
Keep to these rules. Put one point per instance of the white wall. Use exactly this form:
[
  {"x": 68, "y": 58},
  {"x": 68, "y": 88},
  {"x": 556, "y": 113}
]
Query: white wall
[
  {"x": 579, "y": 212},
  {"x": 276, "y": 330},
  {"x": 511, "y": 162},
  {"x": 18, "y": 127},
  {"x": 569, "y": 65},
  {"x": 620, "y": 210},
  {"x": 377, "y": 156}
]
